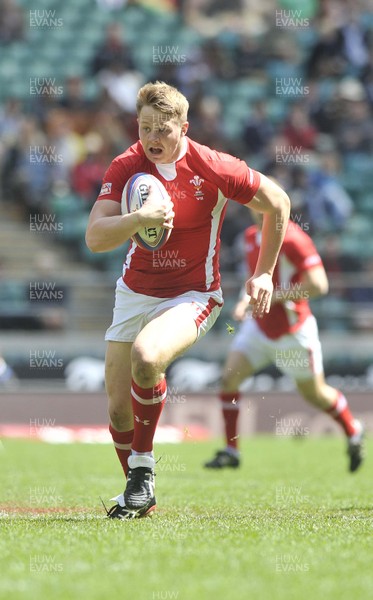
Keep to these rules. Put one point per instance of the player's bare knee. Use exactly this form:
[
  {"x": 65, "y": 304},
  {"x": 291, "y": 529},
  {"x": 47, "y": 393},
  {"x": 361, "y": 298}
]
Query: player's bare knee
[{"x": 145, "y": 366}]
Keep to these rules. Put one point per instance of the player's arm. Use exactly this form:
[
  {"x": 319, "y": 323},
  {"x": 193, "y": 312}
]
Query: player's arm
[
  {"x": 313, "y": 283},
  {"x": 274, "y": 204},
  {"x": 108, "y": 229}
]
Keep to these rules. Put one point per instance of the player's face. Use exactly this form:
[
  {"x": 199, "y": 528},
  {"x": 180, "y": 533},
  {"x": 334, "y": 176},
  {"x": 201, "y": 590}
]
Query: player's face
[{"x": 160, "y": 136}]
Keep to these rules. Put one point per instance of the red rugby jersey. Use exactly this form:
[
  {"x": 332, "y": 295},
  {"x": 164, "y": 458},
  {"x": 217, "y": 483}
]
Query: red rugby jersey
[
  {"x": 199, "y": 183},
  {"x": 297, "y": 254}
]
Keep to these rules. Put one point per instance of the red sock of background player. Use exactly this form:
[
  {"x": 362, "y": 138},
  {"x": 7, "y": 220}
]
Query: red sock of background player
[
  {"x": 341, "y": 413},
  {"x": 122, "y": 442},
  {"x": 147, "y": 406},
  {"x": 230, "y": 409}
]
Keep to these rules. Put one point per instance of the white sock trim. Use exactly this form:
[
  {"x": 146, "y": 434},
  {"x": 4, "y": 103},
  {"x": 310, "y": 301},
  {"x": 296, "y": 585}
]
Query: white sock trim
[
  {"x": 149, "y": 401},
  {"x": 232, "y": 451},
  {"x": 134, "y": 453},
  {"x": 355, "y": 438},
  {"x": 141, "y": 460}
]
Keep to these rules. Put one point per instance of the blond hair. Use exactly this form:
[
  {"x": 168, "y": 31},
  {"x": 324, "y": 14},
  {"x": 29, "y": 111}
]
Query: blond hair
[{"x": 165, "y": 98}]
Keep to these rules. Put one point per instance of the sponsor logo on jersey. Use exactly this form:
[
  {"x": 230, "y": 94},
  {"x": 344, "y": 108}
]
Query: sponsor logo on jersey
[
  {"x": 197, "y": 183},
  {"x": 106, "y": 189}
]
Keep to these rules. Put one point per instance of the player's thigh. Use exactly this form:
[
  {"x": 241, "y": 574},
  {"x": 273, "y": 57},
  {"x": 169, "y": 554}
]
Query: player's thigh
[
  {"x": 165, "y": 337},
  {"x": 316, "y": 391},
  {"x": 118, "y": 377},
  {"x": 236, "y": 369}
]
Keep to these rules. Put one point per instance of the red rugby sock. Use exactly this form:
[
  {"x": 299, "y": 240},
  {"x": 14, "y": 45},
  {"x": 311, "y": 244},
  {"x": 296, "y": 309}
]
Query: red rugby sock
[
  {"x": 122, "y": 443},
  {"x": 147, "y": 406},
  {"x": 341, "y": 413},
  {"x": 230, "y": 409}
]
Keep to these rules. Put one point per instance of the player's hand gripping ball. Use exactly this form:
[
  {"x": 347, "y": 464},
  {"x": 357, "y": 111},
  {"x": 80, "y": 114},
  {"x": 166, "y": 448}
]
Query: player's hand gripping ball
[{"x": 135, "y": 193}]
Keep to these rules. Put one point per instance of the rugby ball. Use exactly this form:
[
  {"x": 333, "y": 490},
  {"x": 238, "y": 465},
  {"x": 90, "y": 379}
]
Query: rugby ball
[{"x": 134, "y": 195}]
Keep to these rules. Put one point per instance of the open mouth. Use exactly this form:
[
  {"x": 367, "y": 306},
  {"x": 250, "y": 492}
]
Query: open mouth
[{"x": 155, "y": 151}]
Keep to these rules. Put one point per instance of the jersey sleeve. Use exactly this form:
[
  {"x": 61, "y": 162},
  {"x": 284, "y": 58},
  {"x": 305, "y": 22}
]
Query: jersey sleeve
[
  {"x": 300, "y": 249},
  {"x": 121, "y": 169},
  {"x": 113, "y": 182},
  {"x": 234, "y": 177}
]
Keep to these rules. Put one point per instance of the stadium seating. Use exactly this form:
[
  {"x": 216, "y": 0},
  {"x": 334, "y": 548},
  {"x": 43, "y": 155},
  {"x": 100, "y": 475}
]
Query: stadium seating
[{"x": 83, "y": 30}]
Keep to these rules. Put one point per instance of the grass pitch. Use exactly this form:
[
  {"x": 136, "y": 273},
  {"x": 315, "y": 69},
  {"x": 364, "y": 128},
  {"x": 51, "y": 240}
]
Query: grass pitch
[{"x": 291, "y": 523}]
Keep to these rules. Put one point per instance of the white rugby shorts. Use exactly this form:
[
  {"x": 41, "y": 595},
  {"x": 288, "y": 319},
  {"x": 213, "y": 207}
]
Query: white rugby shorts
[
  {"x": 298, "y": 354},
  {"x": 132, "y": 311}
]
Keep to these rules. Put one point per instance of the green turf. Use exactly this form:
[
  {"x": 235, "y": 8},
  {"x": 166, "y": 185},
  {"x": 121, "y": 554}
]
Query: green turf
[{"x": 292, "y": 523}]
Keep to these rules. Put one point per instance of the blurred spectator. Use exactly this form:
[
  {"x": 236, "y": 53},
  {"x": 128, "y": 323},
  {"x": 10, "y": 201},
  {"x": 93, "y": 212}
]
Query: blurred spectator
[
  {"x": 117, "y": 131},
  {"x": 343, "y": 42},
  {"x": 11, "y": 119},
  {"x": 115, "y": 69},
  {"x": 347, "y": 116},
  {"x": 122, "y": 86},
  {"x": 355, "y": 131},
  {"x": 114, "y": 53},
  {"x": 74, "y": 98},
  {"x": 41, "y": 105},
  {"x": 26, "y": 176},
  {"x": 80, "y": 109},
  {"x": 329, "y": 205},
  {"x": 336, "y": 261},
  {"x": 355, "y": 40},
  {"x": 220, "y": 59},
  {"x": 326, "y": 58},
  {"x": 278, "y": 160},
  {"x": 86, "y": 177},
  {"x": 11, "y": 22},
  {"x": 210, "y": 17},
  {"x": 298, "y": 130},
  {"x": 188, "y": 76},
  {"x": 207, "y": 122},
  {"x": 258, "y": 130},
  {"x": 367, "y": 77},
  {"x": 249, "y": 58},
  {"x": 298, "y": 189},
  {"x": 280, "y": 47},
  {"x": 65, "y": 144}
]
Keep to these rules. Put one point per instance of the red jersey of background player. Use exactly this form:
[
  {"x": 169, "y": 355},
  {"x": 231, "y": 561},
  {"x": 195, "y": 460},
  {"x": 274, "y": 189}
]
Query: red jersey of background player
[
  {"x": 199, "y": 183},
  {"x": 297, "y": 254}
]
